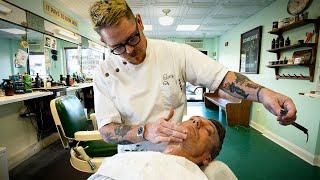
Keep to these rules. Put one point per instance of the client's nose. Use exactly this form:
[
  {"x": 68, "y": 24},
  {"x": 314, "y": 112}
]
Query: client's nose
[{"x": 197, "y": 122}]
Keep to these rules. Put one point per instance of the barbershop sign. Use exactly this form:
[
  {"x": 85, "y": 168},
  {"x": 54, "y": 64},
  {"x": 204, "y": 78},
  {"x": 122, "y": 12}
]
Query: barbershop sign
[{"x": 59, "y": 15}]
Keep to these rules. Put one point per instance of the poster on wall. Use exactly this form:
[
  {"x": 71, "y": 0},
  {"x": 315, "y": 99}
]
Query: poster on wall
[
  {"x": 250, "y": 47},
  {"x": 50, "y": 42}
]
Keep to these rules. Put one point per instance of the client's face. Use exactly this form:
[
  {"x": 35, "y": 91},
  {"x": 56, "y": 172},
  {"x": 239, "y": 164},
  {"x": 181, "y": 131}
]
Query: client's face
[{"x": 202, "y": 137}]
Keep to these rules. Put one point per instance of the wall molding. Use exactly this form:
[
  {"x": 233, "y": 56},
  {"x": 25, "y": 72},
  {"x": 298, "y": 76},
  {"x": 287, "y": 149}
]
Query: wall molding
[
  {"x": 24, "y": 154},
  {"x": 294, "y": 149}
]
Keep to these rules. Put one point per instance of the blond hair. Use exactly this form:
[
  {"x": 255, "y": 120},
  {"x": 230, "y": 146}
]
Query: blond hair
[{"x": 105, "y": 13}]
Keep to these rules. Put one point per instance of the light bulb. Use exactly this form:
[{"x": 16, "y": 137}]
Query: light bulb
[{"x": 166, "y": 20}]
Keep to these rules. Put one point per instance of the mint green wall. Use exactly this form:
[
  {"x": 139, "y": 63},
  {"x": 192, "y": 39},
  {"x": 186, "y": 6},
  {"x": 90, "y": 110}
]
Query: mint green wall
[
  {"x": 8, "y": 48},
  {"x": 14, "y": 47},
  {"x": 36, "y": 6},
  {"x": 209, "y": 44},
  {"x": 60, "y": 67},
  {"x": 308, "y": 108},
  {"x": 5, "y": 59}
]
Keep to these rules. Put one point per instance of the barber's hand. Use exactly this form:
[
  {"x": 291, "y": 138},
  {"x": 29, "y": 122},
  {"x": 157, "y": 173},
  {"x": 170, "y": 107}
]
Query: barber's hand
[
  {"x": 274, "y": 102},
  {"x": 164, "y": 131}
]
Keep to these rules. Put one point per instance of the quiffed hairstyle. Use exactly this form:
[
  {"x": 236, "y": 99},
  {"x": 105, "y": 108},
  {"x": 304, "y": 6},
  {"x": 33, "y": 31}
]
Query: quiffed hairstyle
[
  {"x": 105, "y": 13},
  {"x": 221, "y": 132}
]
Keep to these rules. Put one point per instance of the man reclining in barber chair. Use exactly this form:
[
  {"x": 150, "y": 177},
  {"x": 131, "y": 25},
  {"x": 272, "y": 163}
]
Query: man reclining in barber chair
[
  {"x": 179, "y": 160},
  {"x": 200, "y": 145}
]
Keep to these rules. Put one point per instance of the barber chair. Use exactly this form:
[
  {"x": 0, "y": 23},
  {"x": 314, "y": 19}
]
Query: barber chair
[{"x": 87, "y": 149}]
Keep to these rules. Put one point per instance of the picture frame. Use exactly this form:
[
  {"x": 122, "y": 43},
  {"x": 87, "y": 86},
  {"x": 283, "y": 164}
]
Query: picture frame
[
  {"x": 250, "y": 49},
  {"x": 50, "y": 42}
]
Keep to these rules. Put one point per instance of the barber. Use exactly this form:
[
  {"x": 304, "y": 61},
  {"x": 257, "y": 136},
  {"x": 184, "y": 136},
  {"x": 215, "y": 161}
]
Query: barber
[{"x": 141, "y": 78}]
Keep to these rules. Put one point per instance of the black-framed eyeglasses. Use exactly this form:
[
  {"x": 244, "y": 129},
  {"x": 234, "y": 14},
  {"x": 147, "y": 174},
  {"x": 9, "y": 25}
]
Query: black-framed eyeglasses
[{"x": 131, "y": 41}]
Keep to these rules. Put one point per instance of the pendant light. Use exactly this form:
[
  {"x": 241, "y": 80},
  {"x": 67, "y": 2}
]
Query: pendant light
[{"x": 166, "y": 20}]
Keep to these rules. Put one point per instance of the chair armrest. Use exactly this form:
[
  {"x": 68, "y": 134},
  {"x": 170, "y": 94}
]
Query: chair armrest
[
  {"x": 218, "y": 170},
  {"x": 94, "y": 121},
  {"x": 87, "y": 135}
]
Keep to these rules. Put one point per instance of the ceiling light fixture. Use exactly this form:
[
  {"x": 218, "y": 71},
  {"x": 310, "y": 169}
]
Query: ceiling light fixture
[
  {"x": 166, "y": 20},
  {"x": 67, "y": 34},
  {"x": 4, "y": 9},
  {"x": 147, "y": 27},
  {"x": 187, "y": 27},
  {"x": 14, "y": 31}
]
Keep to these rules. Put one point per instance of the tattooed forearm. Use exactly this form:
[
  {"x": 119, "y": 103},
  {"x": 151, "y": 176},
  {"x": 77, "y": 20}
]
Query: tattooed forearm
[
  {"x": 119, "y": 134},
  {"x": 240, "y": 86},
  {"x": 235, "y": 89},
  {"x": 240, "y": 79},
  {"x": 122, "y": 130}
]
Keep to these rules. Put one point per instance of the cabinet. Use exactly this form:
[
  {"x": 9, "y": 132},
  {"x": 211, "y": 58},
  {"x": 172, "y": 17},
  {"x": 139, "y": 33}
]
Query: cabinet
[{"x": 313, "y": 46}]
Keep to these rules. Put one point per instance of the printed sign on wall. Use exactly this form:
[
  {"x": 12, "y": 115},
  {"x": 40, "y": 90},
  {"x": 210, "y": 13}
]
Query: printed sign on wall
[{"x": 59, "y": 15}]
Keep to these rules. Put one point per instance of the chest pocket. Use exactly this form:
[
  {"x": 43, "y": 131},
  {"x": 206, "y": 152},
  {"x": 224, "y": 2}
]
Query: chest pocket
[{"x": 171, "y": 90}]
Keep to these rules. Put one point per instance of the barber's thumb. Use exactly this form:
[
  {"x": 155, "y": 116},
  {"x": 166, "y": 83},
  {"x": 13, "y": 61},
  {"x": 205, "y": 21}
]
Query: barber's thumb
[{"x": 170, "y": 114}]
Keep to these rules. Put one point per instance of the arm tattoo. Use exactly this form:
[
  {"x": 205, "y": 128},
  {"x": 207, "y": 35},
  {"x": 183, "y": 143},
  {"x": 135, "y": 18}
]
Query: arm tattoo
[
  {"x": 118, "y": 137},
  {"x": 241, "y": 78},
  {"x": 258, "y": 92},
  {"x": 235, "y": 89},
  {"x": 242, "y": 86},
  {"x": 122, "y": 130}
]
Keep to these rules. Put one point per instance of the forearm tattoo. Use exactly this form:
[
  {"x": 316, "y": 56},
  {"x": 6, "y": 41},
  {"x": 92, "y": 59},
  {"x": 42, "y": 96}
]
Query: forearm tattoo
[
  {"x": 242, "y": 86},
  {"x": 235, "y": 89},
  {"x": 118, "y": 136}
]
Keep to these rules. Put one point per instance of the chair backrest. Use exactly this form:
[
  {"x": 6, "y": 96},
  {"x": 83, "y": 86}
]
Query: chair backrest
[{"x": 69, "y": 116}]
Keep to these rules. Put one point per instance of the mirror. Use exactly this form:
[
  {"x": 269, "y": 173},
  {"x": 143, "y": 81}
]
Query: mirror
[
  {"x": 13, "y": 50},
  {"x": 37, "y": 61},
  {"x": 52, "y": 56},
  {"x": 25, "y": 50},
  {"x": 73, "y": 60},
  {"x": 90, "y": 60},
  {"x": 63, "y": 55}
]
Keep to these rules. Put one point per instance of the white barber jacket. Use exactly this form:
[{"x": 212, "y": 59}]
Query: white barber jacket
[
  {"x": 147, "y": 166},
  {"x": 137, "y": 94}
]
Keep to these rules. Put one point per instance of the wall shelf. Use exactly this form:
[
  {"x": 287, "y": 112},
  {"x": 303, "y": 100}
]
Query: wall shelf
[
  {"x": 297, "y": 24},
  {"x": 312, "y": 46},
  {"x": 288, "y": 65},
  {"x": 304, "y": 45},
  {"x": 311, "y": 94}
]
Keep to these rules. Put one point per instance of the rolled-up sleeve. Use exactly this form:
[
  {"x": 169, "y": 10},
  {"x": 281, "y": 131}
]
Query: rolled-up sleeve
[
  {"x": 105, "y": 110},
  {"x": 201, "y": 70}
]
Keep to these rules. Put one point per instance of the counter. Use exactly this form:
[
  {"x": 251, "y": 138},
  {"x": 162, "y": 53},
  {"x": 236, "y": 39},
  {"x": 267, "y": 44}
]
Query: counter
[
  {"x": 22, "y": 97},
  {"x": 79, "y": 86},
  {"x": 37, "y": 94}
]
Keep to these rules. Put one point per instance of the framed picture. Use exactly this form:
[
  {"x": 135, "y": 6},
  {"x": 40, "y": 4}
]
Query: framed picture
[
  {"x": 50, "y": 42},
  {"x": 250, "y": 47}
]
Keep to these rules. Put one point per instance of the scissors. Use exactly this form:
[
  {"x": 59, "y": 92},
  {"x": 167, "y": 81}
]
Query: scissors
[{"x": 301, "y": 128}]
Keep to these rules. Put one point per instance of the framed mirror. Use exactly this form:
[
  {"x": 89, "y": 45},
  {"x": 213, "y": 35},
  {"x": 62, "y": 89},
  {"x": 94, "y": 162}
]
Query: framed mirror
[
  {"x": 59, "y": 56},
  {"x": 37, "y": 60},
  {"x": 13, "y": 49}
]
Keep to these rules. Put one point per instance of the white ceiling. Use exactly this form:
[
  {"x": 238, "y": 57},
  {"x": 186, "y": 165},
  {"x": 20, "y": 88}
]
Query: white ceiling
[{"x": 214, "y": 16}]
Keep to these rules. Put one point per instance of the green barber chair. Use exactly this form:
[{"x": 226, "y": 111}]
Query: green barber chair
[{"x": 87, "y": 149}]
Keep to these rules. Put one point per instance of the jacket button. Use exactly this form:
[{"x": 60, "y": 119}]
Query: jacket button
[
  {"x": 117, "y": 70},
  {"x": 106, "y": 74},
  {"x": 124, "y": 62}
]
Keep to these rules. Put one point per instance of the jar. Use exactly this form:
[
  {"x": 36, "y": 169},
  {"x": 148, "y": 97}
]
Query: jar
[{"x": 8, "y": 87}]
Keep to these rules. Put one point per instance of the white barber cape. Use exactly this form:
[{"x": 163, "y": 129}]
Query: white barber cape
[
  {"x": 148, "y": 166},
  {"x": 137, "y": 94}
]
